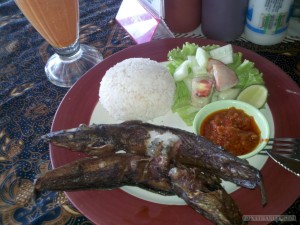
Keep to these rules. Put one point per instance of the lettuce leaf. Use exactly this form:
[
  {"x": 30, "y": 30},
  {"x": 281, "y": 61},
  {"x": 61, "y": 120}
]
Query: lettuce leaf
[
  {"x": 208, "y": 48},
  {"x": 178, "y": 55},
  {"x": 182, "y": 96},
  {"x": 244, "y": 69},
  {"x": 187, "y": 114},
  {"x": 248, "y": 75},
  {"x": 237, "y": 61}
]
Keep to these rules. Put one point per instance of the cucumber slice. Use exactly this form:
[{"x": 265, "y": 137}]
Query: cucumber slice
[
  {"x": 196, "y": 69},
  {"x": 199, "y": 71},
  {"x": 228, "y": 94},
  {"x": 202, "y": 57},
  {"x": 182, "y": 71},
  {"x": 223, "y": 54},
  {"x": 192, "y": 60},
  {"x": 255, "y": 95}
]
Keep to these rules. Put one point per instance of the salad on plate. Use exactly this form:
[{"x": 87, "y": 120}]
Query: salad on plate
[{"x": 204, "y": 74}]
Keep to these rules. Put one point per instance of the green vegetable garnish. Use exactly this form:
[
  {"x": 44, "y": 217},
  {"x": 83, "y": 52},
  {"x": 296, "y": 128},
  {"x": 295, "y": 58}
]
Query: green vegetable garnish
[
  {"x": 244, "y": 69},
  {"x": 248, "y": 75}
]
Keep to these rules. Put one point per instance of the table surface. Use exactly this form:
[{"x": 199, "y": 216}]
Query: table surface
[{"x": 28, "y": 102}]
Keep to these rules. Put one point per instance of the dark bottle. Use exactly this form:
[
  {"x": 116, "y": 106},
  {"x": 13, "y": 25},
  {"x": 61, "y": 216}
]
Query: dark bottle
[
  {"x": 182, "y": 15},
  {"x": 223, "y": 20}
]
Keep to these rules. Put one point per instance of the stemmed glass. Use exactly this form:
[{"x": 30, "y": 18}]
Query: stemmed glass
[{"x": 58, "y": 23}]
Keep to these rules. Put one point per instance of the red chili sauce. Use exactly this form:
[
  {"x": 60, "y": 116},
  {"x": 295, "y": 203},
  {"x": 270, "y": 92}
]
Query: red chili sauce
[{"x": 232, "y": 129}]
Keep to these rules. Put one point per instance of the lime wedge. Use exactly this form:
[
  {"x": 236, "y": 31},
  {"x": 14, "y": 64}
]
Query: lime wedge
[{"x": 255, "y": 95}]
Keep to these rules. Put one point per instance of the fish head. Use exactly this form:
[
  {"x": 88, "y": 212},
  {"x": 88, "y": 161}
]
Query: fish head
[{"x": 79, "y": 138}]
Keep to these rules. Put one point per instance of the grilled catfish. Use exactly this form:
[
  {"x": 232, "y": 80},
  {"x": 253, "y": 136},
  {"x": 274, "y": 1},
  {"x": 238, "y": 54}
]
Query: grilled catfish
[
  {"x": 145, "y": 139},
  {"x": 158, "y": 158},
  {"x": 202, "y": 191}
]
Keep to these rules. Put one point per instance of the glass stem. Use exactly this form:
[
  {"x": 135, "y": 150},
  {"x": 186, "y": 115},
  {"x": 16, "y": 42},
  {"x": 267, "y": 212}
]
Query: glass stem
[{"x": 68, "y": 51}]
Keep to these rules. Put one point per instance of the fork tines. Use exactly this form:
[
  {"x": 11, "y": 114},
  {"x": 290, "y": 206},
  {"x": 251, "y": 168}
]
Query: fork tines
[
  {"x": 288, "y": 147},
  {"x": 294, "y": 140}
]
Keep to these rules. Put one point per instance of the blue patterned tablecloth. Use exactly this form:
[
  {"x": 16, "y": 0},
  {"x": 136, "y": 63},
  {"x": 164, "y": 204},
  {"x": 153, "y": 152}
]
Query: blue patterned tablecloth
[{"x": 28, "y": 102}]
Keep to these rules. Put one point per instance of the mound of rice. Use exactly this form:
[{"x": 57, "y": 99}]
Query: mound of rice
[{"x": 137, "y": 89}]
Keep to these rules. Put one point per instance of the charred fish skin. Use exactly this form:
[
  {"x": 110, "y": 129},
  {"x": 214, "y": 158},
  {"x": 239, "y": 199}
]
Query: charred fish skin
[
  {"x": 205, "y": 195},
  {"x": 94, "y": 138},
  {"x": 202, "y": 191},
  {"x": 134, "y": 137},
  {"x": 146, "y": 139},
  {"x": 163, "y": 159},
  {"x": 105, "y": 173}
]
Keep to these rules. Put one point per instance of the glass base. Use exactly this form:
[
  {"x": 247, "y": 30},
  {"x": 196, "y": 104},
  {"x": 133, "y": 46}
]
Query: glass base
[{"x": 64, "y": 71}]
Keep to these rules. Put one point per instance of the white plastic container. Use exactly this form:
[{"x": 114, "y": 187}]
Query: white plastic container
[{"x": 267, "y": 21}]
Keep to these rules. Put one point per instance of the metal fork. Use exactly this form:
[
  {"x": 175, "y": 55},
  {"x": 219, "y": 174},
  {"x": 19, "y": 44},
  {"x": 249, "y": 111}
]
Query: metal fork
[{"x": 286, "y": 147}]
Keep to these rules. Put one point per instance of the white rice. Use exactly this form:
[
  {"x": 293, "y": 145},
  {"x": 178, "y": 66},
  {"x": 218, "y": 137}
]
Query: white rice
[{"x": 137, "y": 89}]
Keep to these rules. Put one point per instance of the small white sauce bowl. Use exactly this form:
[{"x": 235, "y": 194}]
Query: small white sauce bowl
[{"x": 259, "y": 118}]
